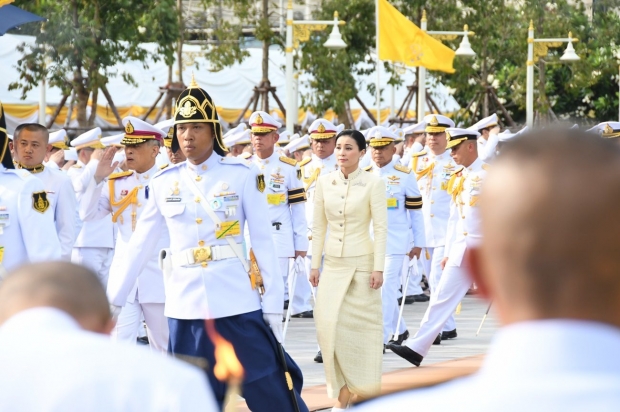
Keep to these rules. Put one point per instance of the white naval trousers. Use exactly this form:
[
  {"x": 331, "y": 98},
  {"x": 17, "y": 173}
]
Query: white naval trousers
[
  {"x": 130, "y": 320},
  {"x": 392, "y": 281},
  {"x": 302, "y": 294},
  {"x": 432, "y": 267},
  {"x": 451, "y": 289},
  {"x": 97, "y": 259}
]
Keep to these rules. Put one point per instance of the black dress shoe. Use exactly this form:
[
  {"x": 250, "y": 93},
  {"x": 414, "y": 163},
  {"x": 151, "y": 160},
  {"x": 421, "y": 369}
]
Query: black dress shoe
[
  {"x": 437, "y": 340},
  {"x": 319, "y": 357},
  {"x": 401, "y": 338},
  {"x": 408, "y": 300},
  {"x": 451, "y": 334},
  {"x": 285, "y": 304},
  {"x": 420, "y": 298},
  {"x": 304, "y": 315},
  {"x": 143, "y": 340},
  {"x": 406, "y": 353}
]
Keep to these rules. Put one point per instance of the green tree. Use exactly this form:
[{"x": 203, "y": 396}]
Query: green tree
[{"x": 82, "y": 41}]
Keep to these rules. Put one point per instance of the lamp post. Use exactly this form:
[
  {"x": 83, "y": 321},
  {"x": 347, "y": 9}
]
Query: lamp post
[
  {"x": 533, "y": 53},
  {"x": 464, "y": 50},
  {"x": 296, "y": 31}
]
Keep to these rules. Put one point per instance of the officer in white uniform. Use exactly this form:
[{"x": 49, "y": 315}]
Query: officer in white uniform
[
  {"x": 464, "y": 223},
  {"x": 414, "y": 141},
  {"x": 237, "y": 139},
  {"x": 404, "y": 205},
  {"x": 487, "y": 142},
  {"x": 30, "y": 142},
  {"x": 94, "y": 246},
  {"x": 297, "y": 147},
  {"x": 286, "y": 198},
  {"x": 27, "y": 232},
  {"x": 433, "y": 167},
  {"x": 124, "y": 195},
  {"x": 204, "y": 203},
  {"x": 59, "y": 142}
]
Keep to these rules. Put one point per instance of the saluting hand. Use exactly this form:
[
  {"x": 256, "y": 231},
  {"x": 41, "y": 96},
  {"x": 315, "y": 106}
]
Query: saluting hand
[
  {"x": 314, "y": 277},
  {"x": 105, "y": 166},
  {"x": 376, "y": 279}
]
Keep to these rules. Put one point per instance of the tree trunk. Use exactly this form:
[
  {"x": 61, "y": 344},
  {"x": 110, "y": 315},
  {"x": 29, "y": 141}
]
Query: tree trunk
[{"x": 93, "y": 107}]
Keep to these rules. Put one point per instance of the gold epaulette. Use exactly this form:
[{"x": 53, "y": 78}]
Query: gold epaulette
[
  {"x": 457, "y": 171},
  {"x": 245, "y": 155},
  {"x": 418, "y": 154},
  {"x": 402, "y": 168},
  {"x": 120, "y": 174},
  {"x": 485, "y": 166},
  {"x": 77, "y": 166},
  {"x": 305, "y": 161},
  {"x": 367, "y": 168},
  {"x": 162, "y": 167},
  {"x": 288, "y": 160}
]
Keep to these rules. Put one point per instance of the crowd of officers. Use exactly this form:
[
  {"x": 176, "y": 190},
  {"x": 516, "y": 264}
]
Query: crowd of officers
[{"x": 166, "y": 236}]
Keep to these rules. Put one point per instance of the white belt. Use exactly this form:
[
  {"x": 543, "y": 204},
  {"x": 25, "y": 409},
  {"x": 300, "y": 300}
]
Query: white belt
[{"x": 199, "y": 255}]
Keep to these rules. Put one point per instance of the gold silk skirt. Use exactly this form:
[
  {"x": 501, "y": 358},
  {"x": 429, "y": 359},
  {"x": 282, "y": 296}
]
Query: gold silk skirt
[{"x": 349, "y": 324}]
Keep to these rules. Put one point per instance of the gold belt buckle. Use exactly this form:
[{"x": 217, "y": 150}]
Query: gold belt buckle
[{"x": 202, "y": 254}]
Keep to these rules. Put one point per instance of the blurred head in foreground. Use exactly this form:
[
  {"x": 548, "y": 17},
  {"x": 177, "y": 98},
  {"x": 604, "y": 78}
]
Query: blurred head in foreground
[{"x": 61, "y": 285}]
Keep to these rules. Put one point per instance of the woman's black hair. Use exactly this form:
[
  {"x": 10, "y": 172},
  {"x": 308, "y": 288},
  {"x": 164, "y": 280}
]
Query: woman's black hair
[{"x": 356, "y": 135}]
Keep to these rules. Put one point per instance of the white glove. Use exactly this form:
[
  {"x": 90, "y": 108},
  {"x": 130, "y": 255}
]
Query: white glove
[
  {"x": 274, "y": 320},
  {"x": 115, "y": 311}
]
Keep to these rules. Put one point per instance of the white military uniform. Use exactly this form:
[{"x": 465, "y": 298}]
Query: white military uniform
[
  {"x": 94, "y": 245},
  {"x": 77, "y": 370},
  {"x": 433, "y": 174},
  {"x": 27, "y": 232},
  {"x": 463, "y": 226},
  {"x": 286, "y": 199},
  {"x": 404, "y": 204},
  {"x": 63, "y": 205},
  {"x": 147, "y": 297},
  {"x": 208, "y": 280}
]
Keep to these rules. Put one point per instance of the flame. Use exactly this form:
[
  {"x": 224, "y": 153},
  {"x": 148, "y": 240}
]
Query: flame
[{"x": 227, "y": 367}]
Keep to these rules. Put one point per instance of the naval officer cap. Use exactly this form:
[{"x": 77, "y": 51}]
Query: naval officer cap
[
  {"x": 60, "y": 140},
  {"x": 5, "y": 153},
  {"x": 437, "y": 123},
  {"x": 506, "y": 135},
  {"x": 138, "y": 131},
  {"x": 241, "y": 137},
  {"x": 263, "y": 123},
  {"x": 485, "y": 123},
  {"x": 609, "y": 130},
  {"x": 417, "y": 128},
  {"x": 322, "y": 129},
  {"x": 167, "y": 126},
  {"x": 398, "y": 132},
  {"x": 285, "y": 138},
  {"x": 365, "y": 134},
  {"x": 300, "y": 143},
  {"x": 381, "y": 136},
  {"x": 113, "y": 141},
  {"x": 90, "y": 139},
  {"x": 194, "y": 105},
  {"x": 456, "y": 136}
]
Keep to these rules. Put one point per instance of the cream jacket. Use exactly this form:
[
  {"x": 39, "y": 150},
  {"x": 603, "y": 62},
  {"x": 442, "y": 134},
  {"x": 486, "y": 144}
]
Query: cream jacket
[{"x": 347, "y": 207}]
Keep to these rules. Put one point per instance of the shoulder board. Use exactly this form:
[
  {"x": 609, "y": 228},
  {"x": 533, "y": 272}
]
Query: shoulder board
[
  {"x": 367, "y": 168},
  {"x": 162, "y": 167},
  {"x": 288, "y": 160},
  {"x": 460, "y": 169},
  {"x": 245, "y": 155},
  {"x": 305, "y": 161},
  {"x": 418, "y": 154},
  {"x": 403, "y": 169},
  {"x": 77, "y": 166},
  {"x": 229, "y": 160},
  {"x": 120, "y": 174},
  {"x": 168, "y": 167},
  {"x": 24, "y": 174},
  {"x": 485, "y": 166}
]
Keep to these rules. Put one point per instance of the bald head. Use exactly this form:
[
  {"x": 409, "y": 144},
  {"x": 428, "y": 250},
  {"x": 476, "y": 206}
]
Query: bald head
[
  {"x": 65, "y": 286},
  {"x": 551, "y": 228}
]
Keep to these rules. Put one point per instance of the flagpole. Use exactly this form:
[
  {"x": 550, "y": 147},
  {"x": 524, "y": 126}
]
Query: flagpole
[
  {"x": 422, "y": 79},
  {"x": 378, "y": 89}
]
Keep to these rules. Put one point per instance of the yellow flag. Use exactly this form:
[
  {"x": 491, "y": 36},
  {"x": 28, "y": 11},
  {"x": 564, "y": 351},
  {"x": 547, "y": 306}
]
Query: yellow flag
[{"x": 402, "y": 41}]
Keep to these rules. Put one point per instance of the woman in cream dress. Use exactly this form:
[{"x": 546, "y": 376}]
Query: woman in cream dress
[{"x": 348, "y": 309}]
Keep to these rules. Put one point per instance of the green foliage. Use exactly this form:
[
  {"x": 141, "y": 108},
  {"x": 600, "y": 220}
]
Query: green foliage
[{"x": 82, "y": 41}]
